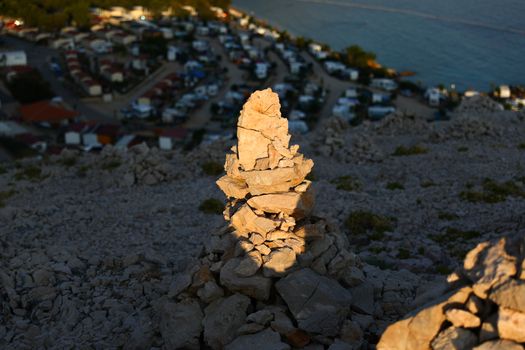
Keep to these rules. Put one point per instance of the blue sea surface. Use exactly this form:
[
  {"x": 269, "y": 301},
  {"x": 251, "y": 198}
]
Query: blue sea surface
[{"x": 470, "y": 43}]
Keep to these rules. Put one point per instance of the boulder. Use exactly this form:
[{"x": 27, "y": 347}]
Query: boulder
[
  {"x": 509, "y": 294},
  {"x": 264, "y": 340},
  {"x": 181, "y": 325},
  {"x": 255, "y": 286},
  {"x": 280, "y": 261},
  {"x": 318, "y": 303},
  {"x": 499, "y": 345},
  {"x": 489, "y": 264},
  {"x": 454, "y": 339},
  {"x": 222, "y": 319},
  {"x": 249, "y": 265},
  {"x": 511, "y": 325}
]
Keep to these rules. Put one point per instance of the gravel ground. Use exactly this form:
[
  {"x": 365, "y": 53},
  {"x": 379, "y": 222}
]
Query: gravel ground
[{"x": 91, "y": 242}]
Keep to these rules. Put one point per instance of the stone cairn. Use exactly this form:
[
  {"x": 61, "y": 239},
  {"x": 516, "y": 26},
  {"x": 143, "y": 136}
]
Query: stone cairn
[
  {"x": 276, "y": 277},
  {"x": 483, "y": 308}
]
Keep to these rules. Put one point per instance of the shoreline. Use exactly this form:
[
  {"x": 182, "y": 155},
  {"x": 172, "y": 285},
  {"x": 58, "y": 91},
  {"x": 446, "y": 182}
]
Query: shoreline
[{"x": 413, "y": 77}]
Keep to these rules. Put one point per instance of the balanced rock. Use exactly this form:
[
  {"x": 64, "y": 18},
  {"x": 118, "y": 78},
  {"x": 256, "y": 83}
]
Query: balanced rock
[{"x": 273, "y": 240}]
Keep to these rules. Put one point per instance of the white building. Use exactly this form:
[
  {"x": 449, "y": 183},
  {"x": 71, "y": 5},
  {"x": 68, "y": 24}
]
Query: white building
[
  {"x": 13, "y": 58},
  {"x": 385, "y": 84}
]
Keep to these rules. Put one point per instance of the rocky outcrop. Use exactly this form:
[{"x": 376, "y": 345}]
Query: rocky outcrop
[
  {"x": 276, "y": 258},
  {"x": 486, "y": 312}
]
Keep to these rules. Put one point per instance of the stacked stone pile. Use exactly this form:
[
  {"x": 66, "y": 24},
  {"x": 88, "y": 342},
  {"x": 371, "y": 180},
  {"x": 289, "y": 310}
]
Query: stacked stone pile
[
  {"x": 276, "y": 277},
  {"x": 485, "y": 311}
]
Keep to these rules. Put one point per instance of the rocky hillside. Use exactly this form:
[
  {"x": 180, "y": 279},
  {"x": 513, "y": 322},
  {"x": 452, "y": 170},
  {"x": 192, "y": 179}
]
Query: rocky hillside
[{"x": 92, "y": 245}]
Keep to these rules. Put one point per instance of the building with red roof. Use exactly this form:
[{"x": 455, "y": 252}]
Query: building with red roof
[{"x": 46, "y": 112}]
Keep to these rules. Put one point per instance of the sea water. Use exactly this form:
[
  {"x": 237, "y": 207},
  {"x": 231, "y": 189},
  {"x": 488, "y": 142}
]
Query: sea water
[{"x": 474, "y": 44}]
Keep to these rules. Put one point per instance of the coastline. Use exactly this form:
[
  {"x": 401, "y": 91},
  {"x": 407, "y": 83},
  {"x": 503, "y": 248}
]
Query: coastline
[{"x": 442, "y": 67}]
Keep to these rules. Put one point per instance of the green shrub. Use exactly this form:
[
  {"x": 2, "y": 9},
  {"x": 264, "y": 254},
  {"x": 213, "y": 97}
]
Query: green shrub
[
  {"x": 111, "y": 165},
  {"x": 443, "y": 269},
  {"x": 5, "y": 195},
  {"x": 212, "y": 206},
  {"x": 453, "y": 235},
  {"x": 427, "y": 183},
  {"x": 521, "y": 145},
  {"x": 347, "y": 183},
  {"x": 403, "y": 254},
  {"x": 462, "y": 149},
  {"x": 212, "y": 168},
  {"x": 409, "y": 151},
  {"x": 493, "y": 192},
  {"x": 2, "y": 170},
  {"x": 68, "y": 162},
  {"x": 31, "y": 173},
  {"x": 421, "y": 250},
  {"x": 362, "y": 222},
  {"x": 394, "y": 186}
]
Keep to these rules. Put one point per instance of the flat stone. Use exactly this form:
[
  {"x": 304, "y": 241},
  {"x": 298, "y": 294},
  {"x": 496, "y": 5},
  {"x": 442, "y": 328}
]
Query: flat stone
[
  {"x": 509, "y": 294},
  {"x": 210, "y": 292},
  {"x": 294, "y": 204},
  {"x": 181, "y": 325},
  {"x": 249, "y": 265},
  {"x": 363, "y": 298},
  {"x": 264, "y": 340},
  {"x": 256, "y": 286},
  {"x": 276, "y": 180},
  {"x": 462, "y": 318},
  {"x": 262, "y": 317},
  {"x": 233, "y": 188},
  {"x": 499, "y": 345},
  {"x": 511, "y": 325},
  {"x": 252, "y": 145},
  {"x": 280, "y": 261},
  {"x": 222, "y": 319},
  {"x": 454, "y": 339},
  {"x": 318, "y": 303},
  {"x": 245, "y": 221}
]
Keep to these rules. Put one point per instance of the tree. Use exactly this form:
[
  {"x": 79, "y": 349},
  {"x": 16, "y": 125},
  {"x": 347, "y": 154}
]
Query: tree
[
  {"x": 356, "y": 56},
  {"x": 30, "y": 87}
]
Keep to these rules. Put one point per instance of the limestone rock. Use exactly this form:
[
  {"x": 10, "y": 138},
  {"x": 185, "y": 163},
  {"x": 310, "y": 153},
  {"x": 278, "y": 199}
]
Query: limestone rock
[
  {"x": 249, "y": 265},
  {"x": 462, "y": 318},
  {"x": 295, "y": 204},
  {"x": 180, "y": 325},
  {"x": 487, "y": 265},
  {"x": 264, "y": 340},
  {"x": 245, "y": 221},
  {"x": 255, "y": 286},
  {"x": 318, "y": 303},
  {"x": 499, "y": 345},
  {"x": 363, "y": 298},
  {"x": 222, "y": 319},
  {"x": 276, "y": 180},
  {"x": 232, "y": 187},
  {"x": 280, "y": 261},
  {"x": 510, "y": 294},
  {"x": 511, "y": 325},
  {"x": 454, "y": 339}
]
